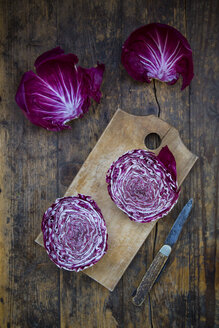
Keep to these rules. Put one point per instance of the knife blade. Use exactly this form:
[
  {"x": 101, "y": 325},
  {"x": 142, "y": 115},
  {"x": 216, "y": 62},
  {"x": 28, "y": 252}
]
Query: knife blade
[{"x": 160, "y": 259}]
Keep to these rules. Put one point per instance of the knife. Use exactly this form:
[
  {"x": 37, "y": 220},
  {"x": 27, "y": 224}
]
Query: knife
[{"x": 160, "y": 259}]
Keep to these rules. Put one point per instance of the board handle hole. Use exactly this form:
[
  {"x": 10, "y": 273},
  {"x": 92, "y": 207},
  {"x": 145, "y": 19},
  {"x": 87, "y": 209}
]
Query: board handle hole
[{"x": 152, "y": 141}]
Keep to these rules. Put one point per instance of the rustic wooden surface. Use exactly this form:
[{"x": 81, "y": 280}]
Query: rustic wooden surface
[
  {"x": 36, "y": 166},
  {"x": 123, "y": 133}
]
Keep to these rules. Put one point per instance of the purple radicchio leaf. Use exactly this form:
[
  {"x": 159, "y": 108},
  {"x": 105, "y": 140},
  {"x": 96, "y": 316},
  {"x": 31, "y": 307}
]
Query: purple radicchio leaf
[
  {"x": 74, "y": 232},
  {"x": 142, "y": 185},
  {"x": 168, "y": 160},
  {"x": 158, "y": 51},
  {"x": 60, "y": 91}
]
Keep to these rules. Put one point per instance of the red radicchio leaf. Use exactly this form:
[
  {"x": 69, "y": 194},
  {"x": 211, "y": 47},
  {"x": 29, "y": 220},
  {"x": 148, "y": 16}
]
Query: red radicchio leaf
[
  {"x": 168, "y": 160},
  {"x": 158, "y": 51},
  {"x": 60, "y": 91},
  {"x": 143, "y": 185},
  {"x": 74, "y": 232}
]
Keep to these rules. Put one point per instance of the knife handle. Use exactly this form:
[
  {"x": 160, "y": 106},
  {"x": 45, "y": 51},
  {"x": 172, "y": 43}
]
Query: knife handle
[{"x": 151, "y": 275}]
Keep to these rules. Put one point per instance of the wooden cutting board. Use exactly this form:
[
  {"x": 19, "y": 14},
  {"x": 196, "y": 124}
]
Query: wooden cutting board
[{"x": 124, "y": 132}]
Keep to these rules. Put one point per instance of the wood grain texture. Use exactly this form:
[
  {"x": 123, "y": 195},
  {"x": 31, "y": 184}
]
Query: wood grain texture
[
  {"x": 33, "y": 293},
  {"x": 28, "y": 174},
  {"x": 124, "y": 132}
]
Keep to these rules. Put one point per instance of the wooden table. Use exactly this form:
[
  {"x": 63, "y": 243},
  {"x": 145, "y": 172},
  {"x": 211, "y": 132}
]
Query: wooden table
[{"x": 37, "y": 166}]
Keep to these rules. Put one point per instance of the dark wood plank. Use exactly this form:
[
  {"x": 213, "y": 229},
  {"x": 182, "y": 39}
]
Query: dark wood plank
[
  {"x": 205, "y": 141},
  {"x": 169, "y": 292},
  {"x": 186, "y": 277},
  {"x": 95, "y": 35},
  {"x": 139, "y": 99},
  {"x": 30, "y": 285},
  {"x": 149, "y": 13}
]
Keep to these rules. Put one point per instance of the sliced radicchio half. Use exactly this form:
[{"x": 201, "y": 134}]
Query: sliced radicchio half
[
  {"x": 61, "y": 90},
  {"x": 74, "y": 233},
  {"x": 158, "y": 51},
  {"x": 144, "y": 185}
]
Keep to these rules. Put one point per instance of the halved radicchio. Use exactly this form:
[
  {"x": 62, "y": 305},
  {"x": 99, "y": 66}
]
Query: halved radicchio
[
  {"x": 60, "y": 91},
  {"x": 144, "y": 185},
  {"x": 74, "y": 232},
  {"x": 158, "y": 51}
]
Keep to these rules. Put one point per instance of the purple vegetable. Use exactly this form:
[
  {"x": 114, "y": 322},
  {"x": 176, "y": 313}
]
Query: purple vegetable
[
  {"x": 74, "y": 233},
  {"x": 144, "y": 185},
  {"x": 60, "y": 92},
  {"x": 158, "y": 51}
]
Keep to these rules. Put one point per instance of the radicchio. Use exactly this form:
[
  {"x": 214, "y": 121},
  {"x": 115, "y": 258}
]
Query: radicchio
[
  {"x": 74, "y": 232},
  {"x": 144, "y": 185},
  {"x": 158, "y": 51},
  {"x": 60, "y": 92}
]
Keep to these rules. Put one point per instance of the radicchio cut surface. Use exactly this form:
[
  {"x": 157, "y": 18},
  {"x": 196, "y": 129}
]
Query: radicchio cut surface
[
  {"x": 144, "y": 185},
  {"x": 74, "y": 232}
]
